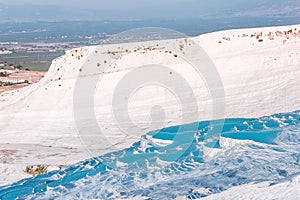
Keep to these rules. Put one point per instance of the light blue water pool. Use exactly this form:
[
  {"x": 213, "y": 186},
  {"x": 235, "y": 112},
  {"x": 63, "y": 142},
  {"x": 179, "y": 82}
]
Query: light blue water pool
[{"x": 152, "y": 173}]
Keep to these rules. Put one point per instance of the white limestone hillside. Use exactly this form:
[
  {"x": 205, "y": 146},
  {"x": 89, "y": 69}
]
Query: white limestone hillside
[{"x": 259, "y": 68}]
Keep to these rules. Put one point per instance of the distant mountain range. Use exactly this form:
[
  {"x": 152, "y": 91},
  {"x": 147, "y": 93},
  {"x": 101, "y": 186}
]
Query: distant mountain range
[
  {"x": 24, "y": 13},
  {"x": 284, "y": 9}
]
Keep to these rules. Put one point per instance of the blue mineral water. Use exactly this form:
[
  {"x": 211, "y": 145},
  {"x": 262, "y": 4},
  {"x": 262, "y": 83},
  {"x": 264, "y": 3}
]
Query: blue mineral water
[{"x": 265, "y": 149}]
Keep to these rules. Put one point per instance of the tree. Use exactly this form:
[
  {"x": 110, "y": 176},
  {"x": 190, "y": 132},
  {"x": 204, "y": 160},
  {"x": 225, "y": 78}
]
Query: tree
[
  {"x": 19, "y": 67},
  {"x": 3, "y": 74}
]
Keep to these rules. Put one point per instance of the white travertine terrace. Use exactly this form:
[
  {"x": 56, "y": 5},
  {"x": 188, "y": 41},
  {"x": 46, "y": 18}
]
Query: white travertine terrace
[{"x": 260, "y": 70}]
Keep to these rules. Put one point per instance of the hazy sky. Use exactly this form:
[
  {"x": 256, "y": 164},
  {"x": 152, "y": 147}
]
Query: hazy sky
[
  {"x": 154, "y": 8},
  {"x": 123, "y": 4}
]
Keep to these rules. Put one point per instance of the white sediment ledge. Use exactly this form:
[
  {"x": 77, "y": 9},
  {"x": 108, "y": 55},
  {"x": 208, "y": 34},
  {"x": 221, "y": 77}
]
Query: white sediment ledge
[
  {"x": 287, "y": 190},
  {"x": 259, "y": 68}
]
